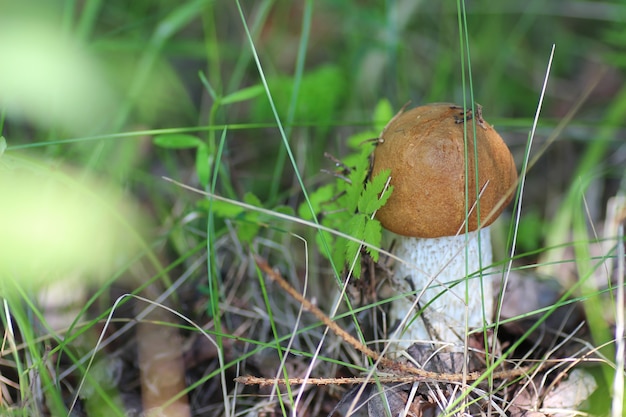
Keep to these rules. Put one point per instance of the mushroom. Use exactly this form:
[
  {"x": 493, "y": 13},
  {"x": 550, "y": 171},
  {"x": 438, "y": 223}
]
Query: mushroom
[{"x": 434, "y": 177}]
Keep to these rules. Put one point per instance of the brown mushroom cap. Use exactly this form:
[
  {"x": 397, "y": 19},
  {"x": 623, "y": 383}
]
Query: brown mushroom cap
[{"x": 424, "y": 150}]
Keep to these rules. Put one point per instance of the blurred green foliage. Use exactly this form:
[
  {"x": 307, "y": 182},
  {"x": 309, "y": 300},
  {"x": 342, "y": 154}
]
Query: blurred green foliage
[
  {"x": 134, "y": 91},
  {"x": 103, "y": 77},
  {"x": 322, "y": 91}
]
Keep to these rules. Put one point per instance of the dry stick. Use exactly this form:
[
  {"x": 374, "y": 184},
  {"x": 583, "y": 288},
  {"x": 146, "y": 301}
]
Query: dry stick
[
  {"x": 255, "y": 380},
  {"x": 414, "y": 374}
]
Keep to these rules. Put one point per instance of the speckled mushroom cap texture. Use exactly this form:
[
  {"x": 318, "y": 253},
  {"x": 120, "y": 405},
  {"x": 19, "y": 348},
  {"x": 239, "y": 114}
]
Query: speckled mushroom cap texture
[{"x": 424, "y": 149}]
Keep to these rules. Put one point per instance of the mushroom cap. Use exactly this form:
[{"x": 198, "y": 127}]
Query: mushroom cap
[{"x": 424, "y": 149}]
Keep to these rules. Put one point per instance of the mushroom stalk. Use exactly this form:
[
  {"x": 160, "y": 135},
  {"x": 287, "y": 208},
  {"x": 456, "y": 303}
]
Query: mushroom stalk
[{"x": 444, "y": 272}]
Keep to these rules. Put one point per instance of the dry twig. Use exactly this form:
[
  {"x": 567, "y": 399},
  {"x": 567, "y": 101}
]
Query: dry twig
[{"x": 402, "y": 373}]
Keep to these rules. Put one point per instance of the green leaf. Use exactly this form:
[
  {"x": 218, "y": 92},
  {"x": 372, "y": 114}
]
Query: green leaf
[
  {"x": 373, "y": 197},
  {"x": 357, "y": 182},
  {"x": 322, "y": 90},
  {"x": 247, "y": 230},
  {"x": 530, "y": 232},
  {"x": 329, "y": 239},
  {"x": 356, "y": 228},
  {"x": 222, "y": 208},
  {"x": 357, "y": 140},
  {"x": 203, "y": 164},
  {"x": 338, "y": 252},
  {"x": 383, "y": 113},
  {"x": 248, "y": 222},
  {"x": 252, "y": 199},
  {"x": 355, "y": 159},
  {"x": 177, "y": 141},
  {"x": 373, "y": 234},
  {"x": 284, "y": 210},
  {"x": 317, "y": 199},
  {"x": 244, "y": 94}
]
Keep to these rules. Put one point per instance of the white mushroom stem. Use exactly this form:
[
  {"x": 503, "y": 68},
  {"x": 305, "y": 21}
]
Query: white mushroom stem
[{"x": 462, "y": 297}]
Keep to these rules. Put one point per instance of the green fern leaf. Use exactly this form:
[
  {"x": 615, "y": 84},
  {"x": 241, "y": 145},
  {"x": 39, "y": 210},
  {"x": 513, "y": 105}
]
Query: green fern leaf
[{"x": 373, "y": 196}]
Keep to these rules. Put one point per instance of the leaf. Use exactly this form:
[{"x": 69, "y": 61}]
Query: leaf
[
  {"x": 317, "y": 199},
  {"x": 244, "y": 94},
  {"x": 373, "y": 234},
  {"x": 321, "y": 92},
  {"x": 324, "y": 239},
  {"x": 221, "y": 208},
  {"x": 282, "y": 209},
  {"x": 357, "y": 140},
  {"x": 252, "y": 199},
  {"x": 248, "y": 221},
  {"x": 247, "y": 229},
  {"x": 383, "y": 113},
  {"x": 354, "y": 159},
  {"x": 357, "y": 180},
  {"x": 372, "y": 198},
  {"x": 203, "y": 164},
  {"x": 356, "y": 228},
  {"x": 177, "y": 141}
]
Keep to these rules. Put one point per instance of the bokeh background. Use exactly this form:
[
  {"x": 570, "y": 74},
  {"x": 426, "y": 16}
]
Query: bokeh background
[{"x": 117, "y": 94}]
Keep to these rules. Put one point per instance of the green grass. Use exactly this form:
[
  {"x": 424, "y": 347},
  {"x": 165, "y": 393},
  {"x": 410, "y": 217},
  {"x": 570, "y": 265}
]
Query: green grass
[{"x": 242, "y": 100}]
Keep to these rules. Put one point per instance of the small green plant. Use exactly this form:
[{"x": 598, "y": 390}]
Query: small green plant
[
  {"x": 249, "y": 222},
  {"x": 349, "y": 204}
]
